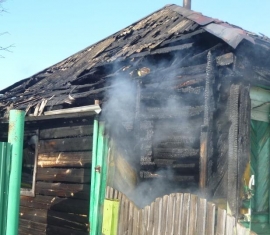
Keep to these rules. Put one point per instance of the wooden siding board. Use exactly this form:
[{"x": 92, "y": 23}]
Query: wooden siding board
[
  {"x": 64, "y": 132},
  {"x": 79, "y": 191},
  {"x": 64, "y": 175},
  {"x": 65, "y": 159},
  {"x": 67, "y": 205},
  {"x": 54, "y": 218},
  {"x": 65, "y": 145}
]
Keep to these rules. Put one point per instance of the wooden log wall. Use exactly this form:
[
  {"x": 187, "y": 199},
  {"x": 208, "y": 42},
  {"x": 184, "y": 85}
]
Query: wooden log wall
[
  {"x": 62, "y": 192},
  {"x": 171, "y": 113}
]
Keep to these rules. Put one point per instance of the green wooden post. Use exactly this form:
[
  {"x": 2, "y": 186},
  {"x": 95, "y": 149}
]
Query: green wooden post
[
  {"x": 98, "y": 178},
  {"x": 93, "y": 175},
  {"x": 15, "y": 137},
  {"x": 5, "y": 155}
]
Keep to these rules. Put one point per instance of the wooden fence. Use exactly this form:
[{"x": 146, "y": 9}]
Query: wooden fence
[{"x": 174, "y": 214}]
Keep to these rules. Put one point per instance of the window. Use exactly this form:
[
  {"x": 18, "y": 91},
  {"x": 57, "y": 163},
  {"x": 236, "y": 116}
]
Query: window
[{"x": 30, "y": 149}]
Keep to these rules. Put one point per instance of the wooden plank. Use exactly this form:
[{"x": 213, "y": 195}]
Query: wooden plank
[
  {"x": 244, "y": 136},
  {"x": 233, "y": 151},
  {"x": 64, "y": 175},
  {"x": 123, "y": 219},
  {"x": 211, "y": 219},
  {"x": 201, "y": 222},
  {"x": 175, "y": 152},
  {"x": 65, "y": 159},
  {"x": 206, "y": 147},
  {"x": 178, "y": 213},
  {"x": 221, "y": 222},
  {"x": 157, "y": 210},
  {"x": 164, "y": 214},
  {"x": 130, "y": 219},
  {"x": 24, "y": 225},
  {"x": 80, "y": 191},
  {"x": 230, "y": 225},
  {"x": 64, "y": 220},
  {"x": 193, "y": 217},
  {"x": 186, "y": 112},
  {"x": 69, "y": 131},
  {"x": 151, "y": 219},
  {"x": 53, "y": 230},
  {"x": 68, "y": 205},
  {"x": 135, "y": 227},
  {"x": 185, "y": 215},
  {"x": 65, "y": 144}
]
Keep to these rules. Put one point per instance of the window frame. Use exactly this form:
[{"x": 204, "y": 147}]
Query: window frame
[{"x": 30, "y": 192}]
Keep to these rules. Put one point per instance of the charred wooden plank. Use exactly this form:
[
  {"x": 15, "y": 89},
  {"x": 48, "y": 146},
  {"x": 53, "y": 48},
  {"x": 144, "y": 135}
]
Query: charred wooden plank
[
  {"x": 79, "y": 191},
  {"x": 206, "y": 148},
  {"x": 67, "y": 205},
  {"x": 243, "y": 139},
  {"x": 175, "y": 153},
  {"x": 225, "y": 60},
  {"x": 65, "y": 144},
  {"x": 178, "y": 178},
  {"x": 182, "y": 37},
  {"x": 178, "y": 142},
  {"x": 171, "y": 112},
  {"x": 52, "y": 230},
  {"x": 64, "y": 175},
  {"x": 69, "y": 131},
  {"x": 172, "y": 48},
  {"x": 178, "y": 95},
  {"x": 173, "y": 72},
  {"x": 28, "y": 227},
  {"x": 64, "y": 220},
  {"x": 65, "y": 159},
  {"x": 233, "y": 150}
]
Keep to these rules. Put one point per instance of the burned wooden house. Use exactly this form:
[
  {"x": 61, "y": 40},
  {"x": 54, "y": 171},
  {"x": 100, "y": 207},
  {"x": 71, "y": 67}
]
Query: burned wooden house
[{"x": 185, "y": 99}]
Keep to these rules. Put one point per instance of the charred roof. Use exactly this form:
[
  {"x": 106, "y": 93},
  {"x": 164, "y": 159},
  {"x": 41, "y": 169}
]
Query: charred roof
[{"x": 83, "y": 75}]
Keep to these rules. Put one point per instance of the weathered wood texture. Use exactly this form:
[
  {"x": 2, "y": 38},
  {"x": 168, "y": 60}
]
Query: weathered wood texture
[
  {"x": 233, "y": 151},
  {"x": 206, "y": 147},
  {"x": 62, "y": 192},
  {"x": 174, "y": 214}
]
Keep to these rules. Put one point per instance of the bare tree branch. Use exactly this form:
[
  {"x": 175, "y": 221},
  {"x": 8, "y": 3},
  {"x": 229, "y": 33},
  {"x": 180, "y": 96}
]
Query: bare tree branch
[{"x": 6, "y": 48}]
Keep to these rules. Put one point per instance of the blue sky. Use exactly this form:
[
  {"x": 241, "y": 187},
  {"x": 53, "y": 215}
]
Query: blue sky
[{"x": 45, "y": 32}]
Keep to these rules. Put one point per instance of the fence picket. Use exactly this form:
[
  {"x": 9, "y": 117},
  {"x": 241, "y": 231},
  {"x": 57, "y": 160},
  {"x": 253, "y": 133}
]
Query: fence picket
[
  {"x": 221, "y": 222},
  {"x": 185, "y": 215},
  {"x": 193, "y": 214},
  {"x": 171, "y": 214},
  {"x": 210, "y": 221},
  {"x": 230, "y": 225},
  {"x": 202, "y": 217},
  {"x": 164, "y": 215},
  {"x": 178, "y": 213},
  {"x": 130, "y": 219},
  {"x": 151, "y": 219}
]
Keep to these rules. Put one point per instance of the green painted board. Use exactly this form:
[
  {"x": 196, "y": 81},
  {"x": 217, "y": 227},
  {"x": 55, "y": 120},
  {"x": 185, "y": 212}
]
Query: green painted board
[
  {"x": 110, "y": 217},
  {"x": 5, "y": 160}
]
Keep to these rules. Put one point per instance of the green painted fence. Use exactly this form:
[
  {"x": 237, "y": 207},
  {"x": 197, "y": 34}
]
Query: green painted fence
[{"x": 5, "y": 163}]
